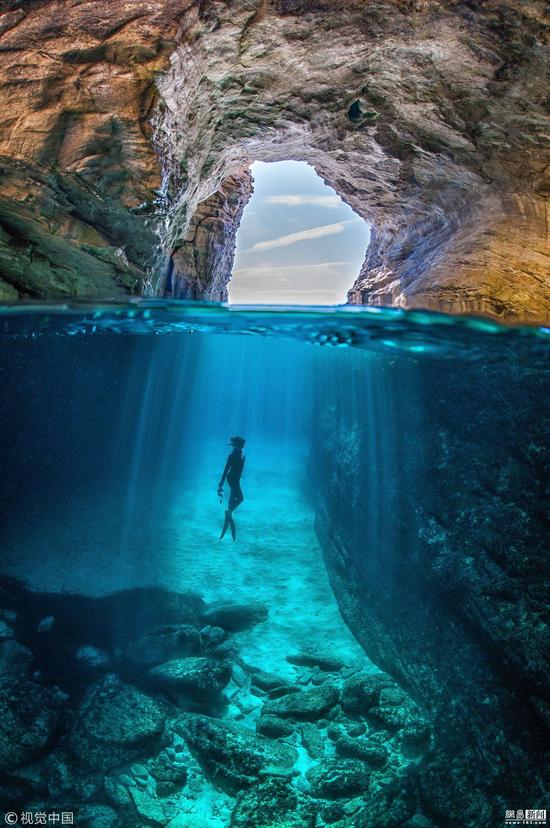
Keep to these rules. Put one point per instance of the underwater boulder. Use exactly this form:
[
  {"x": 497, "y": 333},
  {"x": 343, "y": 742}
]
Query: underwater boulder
[
  {"x": 362, "y": 748},
  {"x": 312, "y": 740},
  {"x": 115, "y": 723},
  {"x": 283, "y": 690},
  {"x": 274, "y": 726},
  {"x": 273, "y": 803},
  {"x": 169, "y": 767},
  {"x": 267, "y": 681},
  {"x": 163, "y": 644},
  {"x": 90, "y": 659},
  {"x": 59, "y": 777},
  {"x": 232, "y": 756},
  {"x": 15, "y": 658},
  {"x": 310, "y": 705},
  {"x": 324, "y": 661},
  {"x": 212, "y": 636},
  {"x": 201, "y": 678},
  {"x": 395, "y": 716},
  {"x": 362, "y": 691},
  {"x": 338, "y": 778},
  {"x": 150, "y": 807},
  {"x": 235, "y": 617},
  {"x": 29, "y": 714},
  {"x": 394, "y": 805}
]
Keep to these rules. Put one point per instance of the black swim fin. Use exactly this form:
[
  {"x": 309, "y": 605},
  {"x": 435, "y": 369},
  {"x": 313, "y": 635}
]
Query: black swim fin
[
  {"x": 227, "y": 523},
  {"x": 233, "y": 528}
]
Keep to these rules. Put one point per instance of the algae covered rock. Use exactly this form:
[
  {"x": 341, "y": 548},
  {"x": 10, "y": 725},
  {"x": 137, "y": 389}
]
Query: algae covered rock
[
  {"x": 274, "y": 726},
  {"x": 338, "y": 778},
  {"x": 232, "y": 756},
  {"x": 312, "y": 740},
  {"x": 275, "y": 804},
  {"x": 268, "y": 681},
  {"x": 392, "y": 806},
  {"x": 115, "y": 723},
  {"x": 29, "y": 714},
  {"x": 235, "y": 617},
  {"x": 309, "y": 705},
  {"x": 394, "y": 716},
  {"x": 362, "y": 691},
  {"x": 201, "y": 678},
  {"x": 168, "y": 766},
  {"x": 326, "y": 662},
  {"x": 163, "y": 644},
  {"x": 373, "y": 754}
]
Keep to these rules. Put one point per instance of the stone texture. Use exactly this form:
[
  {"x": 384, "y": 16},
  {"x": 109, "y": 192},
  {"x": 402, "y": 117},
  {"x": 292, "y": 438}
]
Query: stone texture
[
  {"x": 233, "y": 756},
  {"x": 28, "y": 716},
  {"x": 362, "y": 691},
  {"x": 446, "y": 595},
  {"x": 15, "y": 659},
  {"x": 274, "y": 726},
  {"x": 115, "y": 723},
  {"x": 235, "y": 617},
  {"x": 337, "y": 778},
  {"x": 129, "y": 129},
  {"x": 163, "y": 644},
  {"x": 202, "y": 679},
  {"x": 310, "y": 705},
  {"x": 273, "y": 803}
]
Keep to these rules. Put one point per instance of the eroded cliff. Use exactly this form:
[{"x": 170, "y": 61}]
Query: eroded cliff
[
  {"x": 433, "y": 530},
  {"x": 126, "y": 124}
]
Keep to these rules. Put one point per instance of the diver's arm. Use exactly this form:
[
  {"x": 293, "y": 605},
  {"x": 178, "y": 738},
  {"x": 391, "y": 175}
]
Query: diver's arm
[{"x": 225, "y": 472}]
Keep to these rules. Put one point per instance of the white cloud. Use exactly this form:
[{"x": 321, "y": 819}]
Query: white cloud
[
  {"x": 303, "y": 235},
  {"x": 269, "y": 270},
  {"x": 299, "y": 200}
]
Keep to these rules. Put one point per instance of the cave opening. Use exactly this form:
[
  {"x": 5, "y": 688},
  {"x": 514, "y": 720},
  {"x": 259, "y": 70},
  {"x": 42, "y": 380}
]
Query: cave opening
[{"x": 298, "y": 242}]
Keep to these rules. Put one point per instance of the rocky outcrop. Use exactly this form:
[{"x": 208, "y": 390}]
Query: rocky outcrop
[
  {"x": 130, "y": 131},
  {"x": 115, "y": 723},
  {"x": 132, "y": 750},
  {"x": 433, "y": 535},
  {"x": 200, "y": 266},
  {"x": 234, "y": 756},
  {"x": 79, "y": 175}
]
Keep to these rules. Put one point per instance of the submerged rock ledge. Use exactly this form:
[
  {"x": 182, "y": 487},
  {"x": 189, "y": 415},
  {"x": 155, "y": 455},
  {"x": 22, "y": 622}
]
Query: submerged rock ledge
[
  {"x": 84, "y": 729},
  {"x": 129, "y": 130}
]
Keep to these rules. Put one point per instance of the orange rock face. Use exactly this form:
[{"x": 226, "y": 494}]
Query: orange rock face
[{"x": 128, "y": 128}]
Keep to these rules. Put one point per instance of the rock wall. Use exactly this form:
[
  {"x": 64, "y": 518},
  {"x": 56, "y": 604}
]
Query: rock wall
[
  {"x": 427, "y": 117},
  {"x": 80, "y": 180},
  {"x": 431, "y": 515},
  {"x": 200, "y": 265}
]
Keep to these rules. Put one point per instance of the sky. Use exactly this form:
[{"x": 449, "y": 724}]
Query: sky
[{"x": 298, "y": 243}]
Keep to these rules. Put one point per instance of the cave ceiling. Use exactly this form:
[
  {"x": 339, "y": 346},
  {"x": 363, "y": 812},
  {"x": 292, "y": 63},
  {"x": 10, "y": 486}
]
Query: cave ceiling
[{"x": 129, "y": 130}]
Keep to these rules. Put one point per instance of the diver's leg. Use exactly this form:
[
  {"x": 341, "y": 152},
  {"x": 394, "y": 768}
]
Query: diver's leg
[
  {"x": 226, "y": 523},
  {"x": 236, "y": 498}
]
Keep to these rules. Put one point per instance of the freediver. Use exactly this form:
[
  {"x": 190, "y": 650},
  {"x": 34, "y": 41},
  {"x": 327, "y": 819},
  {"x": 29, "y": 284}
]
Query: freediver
[{"x": 232, "y": 473}]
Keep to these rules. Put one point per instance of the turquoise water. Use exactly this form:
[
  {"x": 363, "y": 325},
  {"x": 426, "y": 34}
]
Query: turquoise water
[{"x": 393, "y": 519}]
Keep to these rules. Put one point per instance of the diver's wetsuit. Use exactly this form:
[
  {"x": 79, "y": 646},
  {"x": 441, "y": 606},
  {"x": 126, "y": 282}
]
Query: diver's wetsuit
[{"x": 232, "y": 473}]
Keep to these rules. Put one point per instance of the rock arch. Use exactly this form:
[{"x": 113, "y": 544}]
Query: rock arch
[{"x": 140, "y": 129}]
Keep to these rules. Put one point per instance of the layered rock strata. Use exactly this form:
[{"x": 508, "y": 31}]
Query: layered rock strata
[{"x": 428, "y": 118}]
